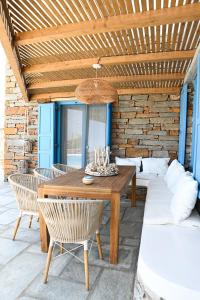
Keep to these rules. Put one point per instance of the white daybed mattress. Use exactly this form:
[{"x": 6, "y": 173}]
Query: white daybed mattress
[
  {"x": 168, "y": 258},
  {"x": 168, "y": 261}
]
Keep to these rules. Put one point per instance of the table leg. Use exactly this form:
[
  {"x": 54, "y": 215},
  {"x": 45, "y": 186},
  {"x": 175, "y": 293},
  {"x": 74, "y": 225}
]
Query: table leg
[
  {"x": 44, "y": 233},
  {"x": 114, "y": 228},
  {"x": 133, "y": 192}
]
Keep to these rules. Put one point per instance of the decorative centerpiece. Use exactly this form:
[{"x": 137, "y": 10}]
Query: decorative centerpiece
[{"x": 101, "y": 165}]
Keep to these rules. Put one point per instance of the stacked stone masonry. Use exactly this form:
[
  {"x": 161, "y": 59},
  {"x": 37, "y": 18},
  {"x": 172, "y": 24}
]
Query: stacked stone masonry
[
  {"x": 18, "y": 127},
  {"x": 146, "y": 125},
  {"x": 143, "y": 125}
]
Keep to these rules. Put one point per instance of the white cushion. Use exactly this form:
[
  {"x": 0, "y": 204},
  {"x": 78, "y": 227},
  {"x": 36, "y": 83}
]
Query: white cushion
[
  {"x": 129, "y": 161},
  {"x": 184, "y": 199},
  {"x": 158, "y": 202},
  {"x": 142, "y": 182},
  {"x": 157, "y": 213},
  {"x": 143, "y": 179},
  {"x": 180, "y": 179},
  {"x": 146, "y": 176},
  {"x": 157, "y": 166},
  {"x": 173, "y": 174}
]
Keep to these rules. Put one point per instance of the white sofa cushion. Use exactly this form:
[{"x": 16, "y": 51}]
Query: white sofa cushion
[
  {"x": 184, "y": 198},
  {"x": 167, "y": 262},
  {"x": 157, "y": 206},
  {"x": 157, "y": 166},
  {"x": 169, "y": 278},
  {"x": 143, "y": 179},
  {"x": 173, "y": 174},
  {"x": 129, "y": 161},
  {"x": 180, "y": 180}
]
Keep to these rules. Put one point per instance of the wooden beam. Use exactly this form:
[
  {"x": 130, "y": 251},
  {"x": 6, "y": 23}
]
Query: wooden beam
[
  {"x": 6, "y": 38},
  {"x": 111, "y": 60},
  {"x": 140, "y": 91},
  {"x": 191, "y": 73},
  {"x": 115, "y": 79},
  {"x": 157, "y": 17},
  {"x": 50, "y": 96},
  {"x": 133, "y": 91}
]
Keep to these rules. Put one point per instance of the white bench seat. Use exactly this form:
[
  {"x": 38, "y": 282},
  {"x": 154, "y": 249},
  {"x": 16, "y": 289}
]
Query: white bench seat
[
  {"x": 168, "y": 261},
  {"x": 168, "y": 256}
]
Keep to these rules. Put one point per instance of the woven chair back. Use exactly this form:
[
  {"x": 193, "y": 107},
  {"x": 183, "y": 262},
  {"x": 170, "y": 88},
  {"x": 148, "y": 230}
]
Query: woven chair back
[
  {"x": 46, "y": 174},
  {"x": 71, "y": 221},
  {"x": 25, "y": 187},
  {"x": 63, "y": 169}
]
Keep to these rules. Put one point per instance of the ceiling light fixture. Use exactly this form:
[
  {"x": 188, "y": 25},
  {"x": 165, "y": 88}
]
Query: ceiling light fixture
[{"x": 96, "y": 90}]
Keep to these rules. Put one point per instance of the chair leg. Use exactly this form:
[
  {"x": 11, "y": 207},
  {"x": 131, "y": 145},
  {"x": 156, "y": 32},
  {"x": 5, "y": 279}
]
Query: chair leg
[
  {"x": 30, "y": 222},
  {"x": 61, "y": 248},
  {"x": 99, "y": 245},
  {"x": 49, "y": 256},
  {"x": 17, "y": 226},
  {"x": 87, "y": 284}
]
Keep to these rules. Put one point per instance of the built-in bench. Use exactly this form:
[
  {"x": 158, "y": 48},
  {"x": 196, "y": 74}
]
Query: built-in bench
[{"x": 168, "y": 265}]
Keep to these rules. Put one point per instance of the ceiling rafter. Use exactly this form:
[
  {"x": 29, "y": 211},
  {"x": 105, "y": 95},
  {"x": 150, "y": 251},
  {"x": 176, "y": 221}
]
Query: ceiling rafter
[
  {"x": 115, "y": 79},
  {"x": 186, "y": 13},
  {"x": 7, "y": 40},
  {"x": 112, "y": 60},
  {"x": 132, "y": 91}
]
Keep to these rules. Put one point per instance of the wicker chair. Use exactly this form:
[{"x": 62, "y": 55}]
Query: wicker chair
[
  {"x": 46, "y": 174},
  {"x": 72, "y": 221},
  {"x": 63, "y": 169},
  {"x": 25, "y": 187}
]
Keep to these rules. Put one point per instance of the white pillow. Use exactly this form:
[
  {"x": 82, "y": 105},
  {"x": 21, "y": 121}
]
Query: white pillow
[
  {"x": 129, "y": 161},
  {"x": 153, "y": 165},
  {"x": 180, "y": 179},
  {"x": 173, "y": 174},
  {"x": 184, "y": 199}
]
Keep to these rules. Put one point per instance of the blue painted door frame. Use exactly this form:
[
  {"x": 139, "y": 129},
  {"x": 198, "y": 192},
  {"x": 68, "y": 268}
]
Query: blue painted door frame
[
  {"x": 183, "y": 124},
  {"x": 196, "y": 128},
  {"x": 193, "y": 121},
  {"x": 46, "y": 135}
]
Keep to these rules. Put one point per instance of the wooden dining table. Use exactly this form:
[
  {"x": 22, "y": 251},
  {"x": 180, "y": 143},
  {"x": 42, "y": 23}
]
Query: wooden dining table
[{"x": 105, "y": 188}]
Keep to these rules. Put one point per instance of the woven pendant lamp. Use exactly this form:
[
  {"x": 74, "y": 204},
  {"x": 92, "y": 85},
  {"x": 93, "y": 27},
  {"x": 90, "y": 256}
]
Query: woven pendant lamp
[{"x": 96, "y": 91}]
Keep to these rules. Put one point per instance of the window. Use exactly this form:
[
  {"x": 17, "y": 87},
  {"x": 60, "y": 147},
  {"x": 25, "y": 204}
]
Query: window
[{"x": 76, "y": 130}]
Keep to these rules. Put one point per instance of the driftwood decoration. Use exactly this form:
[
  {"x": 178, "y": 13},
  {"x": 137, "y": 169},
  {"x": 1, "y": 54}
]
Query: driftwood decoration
[{"x": 101, "y": 165}]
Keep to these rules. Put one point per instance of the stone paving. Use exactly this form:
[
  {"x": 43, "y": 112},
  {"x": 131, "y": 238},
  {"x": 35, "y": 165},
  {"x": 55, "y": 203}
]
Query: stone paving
[{"x": 22, "y": 262}]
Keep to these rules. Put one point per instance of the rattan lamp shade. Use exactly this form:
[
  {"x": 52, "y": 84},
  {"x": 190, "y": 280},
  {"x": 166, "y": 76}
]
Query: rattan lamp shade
[{"x": 96, "y": 91}]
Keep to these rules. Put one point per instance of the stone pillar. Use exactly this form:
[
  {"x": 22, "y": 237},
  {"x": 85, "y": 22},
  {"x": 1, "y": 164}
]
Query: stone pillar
[
  {"x": 20, "y": 126},
  {"x": 2, "y": 109}
]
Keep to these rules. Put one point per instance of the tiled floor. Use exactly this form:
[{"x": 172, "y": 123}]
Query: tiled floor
[{"x": 22, "y": 262}]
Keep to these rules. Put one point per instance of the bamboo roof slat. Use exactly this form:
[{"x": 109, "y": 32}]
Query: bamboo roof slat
[{"x": 58, "y": 40}]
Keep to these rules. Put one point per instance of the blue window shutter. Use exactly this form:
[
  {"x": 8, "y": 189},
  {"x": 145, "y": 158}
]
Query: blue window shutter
[
  {"x": 109, "y": 124},
  {"x": 183, "y": 123},
  {"x": 46, "y": 135},
  {"x": 193, "y": 122},
  {"x": 196, "y": 142}
]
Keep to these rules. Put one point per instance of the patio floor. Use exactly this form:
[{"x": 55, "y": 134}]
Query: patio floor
[{"x": 22, "y": 262}]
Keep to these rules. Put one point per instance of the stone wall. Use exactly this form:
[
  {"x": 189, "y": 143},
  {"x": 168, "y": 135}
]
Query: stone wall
[
  {"x": 16, "y": 110},
  {"x": 146, "y": 125},
  {"x": 143, "y": 125}
]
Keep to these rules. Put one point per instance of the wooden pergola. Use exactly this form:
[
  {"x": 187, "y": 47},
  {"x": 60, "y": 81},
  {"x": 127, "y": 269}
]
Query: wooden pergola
[{"x": 144, "y": 46}]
